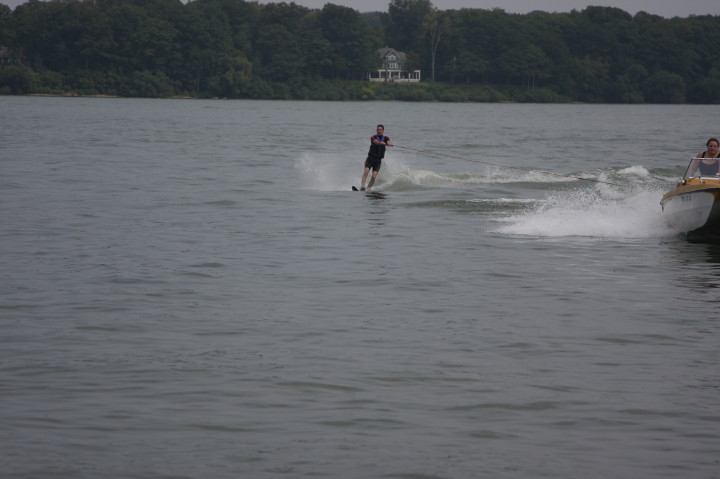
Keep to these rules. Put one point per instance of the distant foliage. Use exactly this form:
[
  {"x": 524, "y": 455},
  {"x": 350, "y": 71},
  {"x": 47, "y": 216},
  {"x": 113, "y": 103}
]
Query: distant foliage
[{"x": 239, "y": 49}]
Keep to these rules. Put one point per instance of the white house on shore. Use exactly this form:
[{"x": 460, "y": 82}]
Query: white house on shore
[{"x": 393, "y": 68}]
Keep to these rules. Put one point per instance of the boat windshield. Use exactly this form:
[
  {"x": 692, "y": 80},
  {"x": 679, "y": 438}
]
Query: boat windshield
[{"x": 702, "y": 168}]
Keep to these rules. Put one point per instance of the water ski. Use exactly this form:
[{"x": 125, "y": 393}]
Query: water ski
[{"x": 355, "y": 189}]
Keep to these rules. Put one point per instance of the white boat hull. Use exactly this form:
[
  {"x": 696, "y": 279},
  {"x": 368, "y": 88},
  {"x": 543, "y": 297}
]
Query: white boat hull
[{"x": 693, "y": 206}]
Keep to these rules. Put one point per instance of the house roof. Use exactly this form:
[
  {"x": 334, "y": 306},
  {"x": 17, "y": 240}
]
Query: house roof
[{"x": 384, "y": 52}]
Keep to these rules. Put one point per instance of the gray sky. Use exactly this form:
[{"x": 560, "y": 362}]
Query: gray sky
[{"x": 665, "y": 8}]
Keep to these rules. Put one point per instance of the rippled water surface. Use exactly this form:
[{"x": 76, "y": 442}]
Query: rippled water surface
[{"x": 191, "y": 290}]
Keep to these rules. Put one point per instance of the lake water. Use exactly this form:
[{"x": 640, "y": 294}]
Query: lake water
[{"x": 191, "y": 290}]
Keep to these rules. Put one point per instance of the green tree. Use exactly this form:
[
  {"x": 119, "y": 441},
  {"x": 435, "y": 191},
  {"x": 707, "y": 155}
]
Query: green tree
[
  {"x": 17, "y": 79},
  {"x": 207, "y": 45},
  {"x": 406, "y": 29},
  {"x": 435, "y": 26},
  {"x": 7, "y": 28},
  {"x": 706, "y": 89},
  {"x": 280, "y": 46},
  {"x": 627, "y": 87},
  {"x": 235, "y": 81},
  {"x": 348, "y": 42},
  {"x": 145, "y": 41},
  {"x": 465, "y": 52},
  {"x": 147, "y": 84},
  {"x": 63, "y": 36},
  {"x": 238, "y": 48},
  {"x": 526, "y": 63},
  {"x": 664, "y": 87}
]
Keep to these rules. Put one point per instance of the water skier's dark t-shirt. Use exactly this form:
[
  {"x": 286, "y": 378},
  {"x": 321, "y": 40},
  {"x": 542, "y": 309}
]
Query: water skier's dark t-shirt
[{"x": 377, "y": 151}]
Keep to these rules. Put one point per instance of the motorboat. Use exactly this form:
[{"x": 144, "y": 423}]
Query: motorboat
[{"x": 694, "y": 204}]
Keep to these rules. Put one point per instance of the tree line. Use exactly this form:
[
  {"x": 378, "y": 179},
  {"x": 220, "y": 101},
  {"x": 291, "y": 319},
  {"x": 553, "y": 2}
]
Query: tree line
[{"x": 240, "y": 49}]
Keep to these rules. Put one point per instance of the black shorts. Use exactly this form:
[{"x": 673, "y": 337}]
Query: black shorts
[{"x": 373, "y": 163}]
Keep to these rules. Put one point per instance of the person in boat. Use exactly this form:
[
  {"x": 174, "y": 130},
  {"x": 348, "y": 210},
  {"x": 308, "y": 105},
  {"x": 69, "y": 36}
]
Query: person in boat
[
  {"x": 378, "y": 142},
  {"x": 708, "y": 164}
]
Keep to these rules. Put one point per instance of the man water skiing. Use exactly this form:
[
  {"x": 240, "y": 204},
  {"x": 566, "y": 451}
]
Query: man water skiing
[{"x": 378, "y": 143}]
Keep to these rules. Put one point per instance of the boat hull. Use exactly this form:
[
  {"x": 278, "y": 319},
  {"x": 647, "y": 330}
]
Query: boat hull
[{"x": 693, "y": 206}]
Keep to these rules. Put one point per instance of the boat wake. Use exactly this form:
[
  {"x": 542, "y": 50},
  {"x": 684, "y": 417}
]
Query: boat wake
[
  {"x": 620, "y": 203},
  {"x": 632, "y": 214},
  {"x": 337, "y": 171},
  {"x": 400, "y": 176}
]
